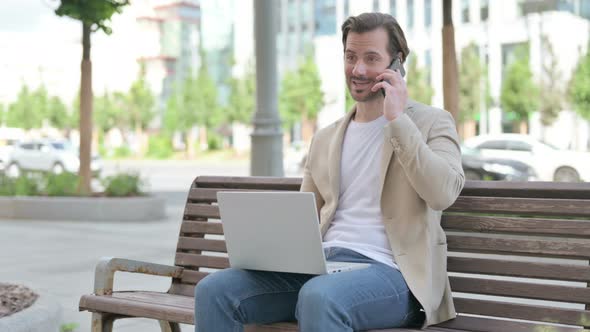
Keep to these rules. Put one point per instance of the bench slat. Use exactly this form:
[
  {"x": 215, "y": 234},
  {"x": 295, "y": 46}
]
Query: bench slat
[
  {"x": 520, "y": 289},
  {"x": 483, "y": 324},
  {"x": 519, "y": 269},
  {"x": 192, "y": 277},
  {"x": 196, "y": 210},
  {"x": 249, "y": 182},
  {"x": 534, "y": 189},
  {"x": 189, "y": 243},
  {"x": 201, "y": 227},
  {"x": 197, "y": 260},
  {"x": 530, "y": 226},
  {"x": 522, "y": 311},
  {"x": 209, "y": 195},
  {"x": 573, "y": 248},
  {"x": 522, "y": 206}
]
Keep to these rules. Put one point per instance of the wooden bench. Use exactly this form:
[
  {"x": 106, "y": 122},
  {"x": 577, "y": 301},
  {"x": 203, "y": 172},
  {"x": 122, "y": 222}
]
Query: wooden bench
[{"x": 518, "y": 259}]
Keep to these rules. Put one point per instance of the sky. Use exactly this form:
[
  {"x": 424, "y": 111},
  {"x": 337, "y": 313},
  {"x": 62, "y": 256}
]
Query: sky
[{"x": 37, "y": 46}]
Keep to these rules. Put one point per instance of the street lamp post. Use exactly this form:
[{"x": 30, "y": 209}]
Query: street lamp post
[{"x": 266, "y": 158}]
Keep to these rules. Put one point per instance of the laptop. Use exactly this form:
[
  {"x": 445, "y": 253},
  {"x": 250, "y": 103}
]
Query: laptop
[{"x": 275, "y": 231}]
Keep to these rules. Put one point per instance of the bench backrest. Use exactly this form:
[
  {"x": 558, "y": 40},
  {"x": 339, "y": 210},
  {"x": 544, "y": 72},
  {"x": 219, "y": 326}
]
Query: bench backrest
[{"x": 516, "y": 250}]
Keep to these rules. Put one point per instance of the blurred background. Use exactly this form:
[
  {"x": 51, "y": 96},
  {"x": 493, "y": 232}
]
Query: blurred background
[
  {"x": 174, "y": 97},
  {"x": 175, "y": 80}
]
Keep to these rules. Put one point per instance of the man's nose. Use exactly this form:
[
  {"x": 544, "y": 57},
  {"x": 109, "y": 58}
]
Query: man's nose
[{"x": 359, "y": 69}]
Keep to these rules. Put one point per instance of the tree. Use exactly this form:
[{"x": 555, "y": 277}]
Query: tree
[
  {"x": 24, "y": 112},
  {"x": 419, "y": 88},
  {"x": 471, "y": 75},
  {"x": 140, "y": 107},
  {"x": 551, "y": 97},
  {"x": 579, "y": 86},
  {"x": 450, "y": 72},
  {"x": 242, "y": 98},
  {"x": 301, "y": 97},
  {"x": 94, "y": 16},
  {"x": 519, "y": 92},
  {"x": 106, "y": 115},
  {"x": 57, "y": 113}
]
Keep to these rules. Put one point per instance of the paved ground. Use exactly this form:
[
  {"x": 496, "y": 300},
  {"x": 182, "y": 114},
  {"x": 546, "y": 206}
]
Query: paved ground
[{"x": 58, "y": 258}]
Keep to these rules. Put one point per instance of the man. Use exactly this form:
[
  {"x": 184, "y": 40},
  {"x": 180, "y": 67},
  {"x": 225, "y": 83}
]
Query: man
[{"x": 381, "y": 176}]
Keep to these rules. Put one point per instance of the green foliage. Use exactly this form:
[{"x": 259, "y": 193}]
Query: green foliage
[
  {"x": 552, "y": 100},
  {"x": 579, "y": 86},
  {"x": 160, "y": 147},
  {"x": 140, "y": 102},
  {"x": 301, "y": 96},
  {"x": 109, "y": 111},
  {"x": 242, "y": 98},
  {"x": 417, "y": 83},
  {"x": 348, "y": 101},
  {"x": 27, "y": 184},
  {"x": 64, "y": 184},
  {"x": 57, "y": 113},
  {"x": 122, "y": 152},
  {"x": 69, "y": 327},
  {"x": 471, "y": 75},
  {"x": 95, "y": 13},
  {"x": 28, "y": 109},
  {"x": 2, "y": 115},
  {"x": 214, "y": 142},
  {"x": 123, "y": 185},
  {"x": 519, "y": 94}
]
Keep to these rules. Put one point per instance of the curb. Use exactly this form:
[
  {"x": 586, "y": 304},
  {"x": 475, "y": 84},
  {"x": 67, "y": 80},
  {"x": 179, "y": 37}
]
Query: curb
[
  {"x": 84, "y": 208},
  {"x": 45, "y": 315}
]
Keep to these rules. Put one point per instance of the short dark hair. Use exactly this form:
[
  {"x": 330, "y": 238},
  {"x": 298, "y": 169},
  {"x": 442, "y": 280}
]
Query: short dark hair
[{"x": 370, "y": 21}]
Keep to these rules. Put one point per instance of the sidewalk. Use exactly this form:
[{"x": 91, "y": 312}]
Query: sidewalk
[{"x": 58, "y": 258}]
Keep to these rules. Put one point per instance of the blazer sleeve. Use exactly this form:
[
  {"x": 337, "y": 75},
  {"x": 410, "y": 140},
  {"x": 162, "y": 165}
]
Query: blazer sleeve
[
  {"x": 308, "y": 185},
  {"x": 433, "y": 167}
]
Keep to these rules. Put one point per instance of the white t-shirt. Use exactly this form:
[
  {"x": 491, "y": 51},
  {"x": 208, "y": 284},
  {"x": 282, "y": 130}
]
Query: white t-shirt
[{"x": 357, "y": 223}]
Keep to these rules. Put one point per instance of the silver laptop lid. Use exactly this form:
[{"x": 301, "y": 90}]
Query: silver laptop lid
[{"x": 272, "y": 231}]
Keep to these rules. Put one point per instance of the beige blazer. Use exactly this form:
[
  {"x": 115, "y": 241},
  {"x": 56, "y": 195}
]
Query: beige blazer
[{"x": 421, "y": 175}]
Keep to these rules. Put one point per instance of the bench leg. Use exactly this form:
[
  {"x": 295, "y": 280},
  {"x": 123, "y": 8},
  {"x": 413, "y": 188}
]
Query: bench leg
[
  {"x": 167, "y": 326},
  {"x": 102, "y": 322}
]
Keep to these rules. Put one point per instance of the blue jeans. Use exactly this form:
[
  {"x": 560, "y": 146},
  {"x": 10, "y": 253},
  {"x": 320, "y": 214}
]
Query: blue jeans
[{"x": 371, "y": 298}]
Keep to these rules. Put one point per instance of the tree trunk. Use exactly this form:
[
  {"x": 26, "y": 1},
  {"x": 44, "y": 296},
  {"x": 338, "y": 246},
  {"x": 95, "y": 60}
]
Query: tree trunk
[
  {"x": 85, "y": 113},
  {"x": 450, "y": 71}
]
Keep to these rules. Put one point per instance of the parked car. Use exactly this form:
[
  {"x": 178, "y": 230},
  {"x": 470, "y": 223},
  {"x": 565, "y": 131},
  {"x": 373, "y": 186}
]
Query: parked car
[
  {"x": 477, "y": 167},
  {"x": 549, "y": 162},
  {"x": 56, "y": 156}
]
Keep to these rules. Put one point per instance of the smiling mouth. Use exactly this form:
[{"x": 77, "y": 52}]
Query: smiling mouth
[{"x": 360, "y": 83}]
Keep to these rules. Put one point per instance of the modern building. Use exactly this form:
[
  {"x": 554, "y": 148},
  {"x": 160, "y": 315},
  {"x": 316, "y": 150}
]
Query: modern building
[{"x": 497, "y": 28}]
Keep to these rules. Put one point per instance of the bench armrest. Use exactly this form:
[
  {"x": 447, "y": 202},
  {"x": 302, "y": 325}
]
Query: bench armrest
[{"x": 104, "y": 273}]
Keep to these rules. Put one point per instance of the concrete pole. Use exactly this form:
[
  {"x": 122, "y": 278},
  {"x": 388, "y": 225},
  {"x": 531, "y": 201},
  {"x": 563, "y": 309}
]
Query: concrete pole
[{"x": 267, "y": 139}]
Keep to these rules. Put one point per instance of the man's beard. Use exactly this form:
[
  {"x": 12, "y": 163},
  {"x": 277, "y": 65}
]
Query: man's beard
[{"x": 372, "y": 95}]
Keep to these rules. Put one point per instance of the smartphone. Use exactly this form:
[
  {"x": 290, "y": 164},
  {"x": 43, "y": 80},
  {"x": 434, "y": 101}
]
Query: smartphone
[{"x": 396, "y": 64}]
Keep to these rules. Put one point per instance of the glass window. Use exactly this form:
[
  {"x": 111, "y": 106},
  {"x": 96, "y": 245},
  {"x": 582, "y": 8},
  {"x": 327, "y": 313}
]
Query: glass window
[
  {"x": 325, "y": 17},
  {"x": 465, "y": 11},
  {"x": 410, "y": 14},
  {"x": 484, "y": 10},
  {"x": 393, "y": 7},
  {"x": 427, "y": 13},
  {"x": 519, "y": 146},
  {"x": 375, "y": 5},
  {"x": 585, "y": 9},
  {"x": 493, "y": 145},
  {"x": 28, "y": 146},
  {"x": 346, "y": 8}
]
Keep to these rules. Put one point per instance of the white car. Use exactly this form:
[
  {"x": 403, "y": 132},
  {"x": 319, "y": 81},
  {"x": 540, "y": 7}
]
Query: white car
[
  {"x": 56, "y": 156},
  {"x": 549, "y": 162}
]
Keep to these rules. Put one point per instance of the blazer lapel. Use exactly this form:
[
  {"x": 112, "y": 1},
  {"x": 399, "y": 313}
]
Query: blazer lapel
[
  {"x": 335, "y": 153},
  {"x": 388, "y": 150}
]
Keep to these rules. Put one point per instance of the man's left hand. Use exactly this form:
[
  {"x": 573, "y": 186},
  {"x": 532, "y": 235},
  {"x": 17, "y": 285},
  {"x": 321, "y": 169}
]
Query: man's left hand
[{"x": 396, "y": 93}]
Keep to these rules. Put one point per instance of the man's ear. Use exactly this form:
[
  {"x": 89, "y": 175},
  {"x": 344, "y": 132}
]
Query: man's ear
[{"x": 400, "y": 56}]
